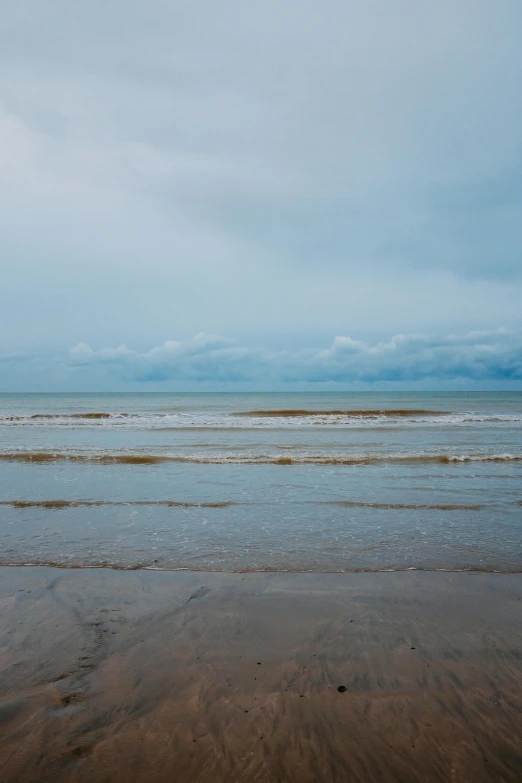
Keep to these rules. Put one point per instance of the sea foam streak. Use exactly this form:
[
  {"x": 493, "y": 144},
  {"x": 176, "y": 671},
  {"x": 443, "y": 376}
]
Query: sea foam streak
[
  {"x": 152, "y": 566},
  {"x": 407, "y": 506}
]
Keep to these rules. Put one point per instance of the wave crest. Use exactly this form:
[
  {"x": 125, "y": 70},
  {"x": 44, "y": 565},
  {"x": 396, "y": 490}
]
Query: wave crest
[{"x": 253, "y": 459}]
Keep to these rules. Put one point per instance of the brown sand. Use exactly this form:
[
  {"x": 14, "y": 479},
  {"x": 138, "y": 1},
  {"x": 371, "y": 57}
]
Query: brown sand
[{"x": 141, "y": 676}]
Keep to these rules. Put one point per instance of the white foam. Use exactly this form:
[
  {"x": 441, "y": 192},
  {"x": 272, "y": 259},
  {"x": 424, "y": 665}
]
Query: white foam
[{"x": 146, "y": 421}]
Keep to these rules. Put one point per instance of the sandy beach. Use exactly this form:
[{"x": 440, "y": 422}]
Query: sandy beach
[{"x": 159, "y": 676}]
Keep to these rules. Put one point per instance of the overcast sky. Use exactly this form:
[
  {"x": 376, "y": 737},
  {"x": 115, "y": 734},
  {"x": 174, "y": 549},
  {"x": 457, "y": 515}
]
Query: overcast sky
[{"x": 245, "y": 193}]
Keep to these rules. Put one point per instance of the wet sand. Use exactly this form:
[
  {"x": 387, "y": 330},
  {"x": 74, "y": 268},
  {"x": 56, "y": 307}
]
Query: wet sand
[{"x": 146, "y": 676}]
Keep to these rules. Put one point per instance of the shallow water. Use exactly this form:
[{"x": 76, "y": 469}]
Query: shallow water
[{"x": 319, "y": 482}]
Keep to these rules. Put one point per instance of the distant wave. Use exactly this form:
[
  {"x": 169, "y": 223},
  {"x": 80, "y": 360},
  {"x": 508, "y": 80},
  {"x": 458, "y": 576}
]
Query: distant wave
[
  {"x": 48, "y": 416},
  {"x": 357, "y": 413},
  {"x": 110, "y": 458}
]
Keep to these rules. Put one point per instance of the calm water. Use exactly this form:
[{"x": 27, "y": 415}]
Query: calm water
[{"x": 321, "y": 482}]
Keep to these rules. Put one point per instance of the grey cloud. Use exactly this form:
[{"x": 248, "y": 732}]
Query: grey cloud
[{"x": 335, "y": 123}]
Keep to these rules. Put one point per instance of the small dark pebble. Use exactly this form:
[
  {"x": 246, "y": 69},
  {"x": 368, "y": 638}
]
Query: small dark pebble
[
  {"x": 259, "y": 663},
  {"x": 413, "y": 648},
  {"x": 342, "y": 688}
]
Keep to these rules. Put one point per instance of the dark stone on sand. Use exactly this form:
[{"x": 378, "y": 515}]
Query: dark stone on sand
[{"x": 342, "y": 688}]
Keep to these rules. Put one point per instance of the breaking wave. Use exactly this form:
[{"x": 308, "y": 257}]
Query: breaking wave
[
  {"x": 255, "y": 419},
  {"x": 110, "y": 458}
]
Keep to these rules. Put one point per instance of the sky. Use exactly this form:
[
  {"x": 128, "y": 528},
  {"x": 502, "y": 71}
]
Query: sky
[{"x": 248, "y": 195}]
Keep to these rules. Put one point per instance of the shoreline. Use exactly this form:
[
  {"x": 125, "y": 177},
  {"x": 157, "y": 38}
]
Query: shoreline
[
  {"x": 186, "y": 569},
  {"x": 132, "y": 675}
]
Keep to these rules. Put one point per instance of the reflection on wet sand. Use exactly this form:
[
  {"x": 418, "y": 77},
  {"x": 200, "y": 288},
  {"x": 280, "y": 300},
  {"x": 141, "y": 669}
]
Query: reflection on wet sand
[{"x": 133, "y": 676}]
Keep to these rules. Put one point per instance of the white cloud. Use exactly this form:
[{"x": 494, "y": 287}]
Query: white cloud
[{"x": 477, "y": 356}]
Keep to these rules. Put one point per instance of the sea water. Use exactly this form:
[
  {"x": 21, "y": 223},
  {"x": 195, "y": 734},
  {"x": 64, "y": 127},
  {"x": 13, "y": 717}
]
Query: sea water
[{"x": 293, "y": 481}]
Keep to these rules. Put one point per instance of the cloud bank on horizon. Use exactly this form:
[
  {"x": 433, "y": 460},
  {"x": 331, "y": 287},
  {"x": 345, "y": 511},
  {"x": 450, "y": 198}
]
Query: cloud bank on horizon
[
  {"x": 475, "y": 356},
  {"x": 281, "y": 172}
]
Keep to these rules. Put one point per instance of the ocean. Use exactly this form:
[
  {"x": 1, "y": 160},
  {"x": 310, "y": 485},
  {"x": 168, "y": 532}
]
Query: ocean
[{"x": 324, "y": 482}]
